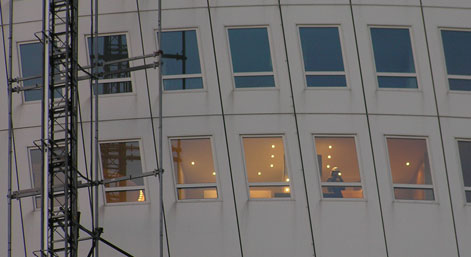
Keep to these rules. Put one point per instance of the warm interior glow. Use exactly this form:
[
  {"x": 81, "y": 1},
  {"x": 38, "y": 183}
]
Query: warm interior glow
[
  {"x": 272, "y": 156},
  {"x": 330, "y": 147},
  {"x": 272, "y": 146},
  {"x": 259, "y": 173},
  {"x": 214, "y": 173},
  {"x": 328, "y": 166},
  {"x": 271, "y": 165},
  {"x": 287, "y": 179},
  {"x": 329, "y": 156},
  {"x": 407, "y": 163},
  {"x": 287, "y": 189},
  {"x": 141, "y": 198},
  {"x": 193, "y": 163}
]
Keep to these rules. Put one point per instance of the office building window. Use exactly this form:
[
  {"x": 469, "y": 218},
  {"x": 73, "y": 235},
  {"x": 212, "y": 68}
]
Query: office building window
[
  {"x": 465, "y": 157},
  {"x": 112, "y": 48},
  {"x": 265, "y": 166},
  {"x": 193, "y": 167},
  {"x": 120, "y": 159},
  {"x": 322, "y": 55},
  {"x": 410, "y": 169},
  {"x": 35, "y": 158},
  {"x": 338, "y": 165},
  {"x": 457, "y": 47},
  {"x": 181, "y": 71},
  {"x": 394, "y": 58},
  {"x": 251, "y": 58}
]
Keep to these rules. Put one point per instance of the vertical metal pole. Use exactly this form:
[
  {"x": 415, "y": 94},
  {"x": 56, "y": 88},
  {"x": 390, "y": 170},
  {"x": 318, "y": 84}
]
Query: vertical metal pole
[
  {"x": 161, "y": 203},
  {"x": 95, "y": 56},
  {"x": 44, "y": 132},
  {"x": 10, "y": 126}
]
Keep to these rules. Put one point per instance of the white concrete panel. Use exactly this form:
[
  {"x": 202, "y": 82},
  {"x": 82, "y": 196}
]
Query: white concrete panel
[
  {"x": 254, "y": 100},
  {"x": 448, "y": 3},
  {"x": 314, "y": 2},
  {"x": 270, "y": 227},
  {"x": 387, "y": 2},
  {"x": 226, "y": 3},
  {"x": 204, "y": 228},
  {"x": 450, "y": 102},
  {"x": 342, "y": 226},
  {"x": 398, "y": 101},
  {"x": 414, "y": 227},
  {"x": 453, "y": 130},
  {"x": 323, "y": 100}
]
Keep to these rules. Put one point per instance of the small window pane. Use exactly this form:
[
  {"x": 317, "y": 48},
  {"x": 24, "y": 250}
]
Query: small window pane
[
  {"x": 465, "y": 157},
  {"x": 193, "y": 161},
  {"x": 111, "y": 48},
  {"x": 182, "y": 43},
  {"x": 342, "y": 192},
  {"x": 183, "y": 83},
  {"x": 265, "y": 192},
  {"x": 457, "y": 47},
  {"x": 32, "y": 65},
  {"x": 397, "y": 82},
  {"x": 114, "y": 87},
  {"x": 321, "y": 49},
  {"x": 413, "y": 194},
  {"x": 250, "y": 50},
  {"x": 197, "y": 193},
  {"x": 409, "y": 161},
  {"x": 468, "y": 196},
  {"x": 326, "y": 81},
  {"x": 125, "y": 196},
  {"x": 265, "y": 159},
  {"x": 337, "y": 158},
  {"x": 460, "y": 84},
  {"x": 121, "y": 159},
  {"x": 254, "y": 81},
  {"x": 392, "y": 50}
]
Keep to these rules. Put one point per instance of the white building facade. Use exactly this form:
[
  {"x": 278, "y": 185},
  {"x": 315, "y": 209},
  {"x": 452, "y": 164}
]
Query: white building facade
[{"x": 291, "y": 128}]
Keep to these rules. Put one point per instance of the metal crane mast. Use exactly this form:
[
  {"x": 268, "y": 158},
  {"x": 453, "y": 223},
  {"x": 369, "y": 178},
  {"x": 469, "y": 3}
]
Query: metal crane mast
[{"x": 59, "y": 141}]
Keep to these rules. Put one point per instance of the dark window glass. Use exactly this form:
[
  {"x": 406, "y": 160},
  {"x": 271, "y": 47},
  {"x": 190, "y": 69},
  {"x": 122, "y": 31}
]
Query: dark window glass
[
  {"x": 460, "y": 84},
  {"x": 392, "y": 50},
  {"x": 184, "y": 45},
  {"x": 457, "y": 47},
  {"x": 254, "y": 81},
  {"x": 112, "y": 48},
  {"x": 397, "y": 82},
  {"x": 32, "y": 65},
  {"x": 250, "y": 50},
  {"x": 183, "y": 83},
  {"x": 326, "y": 81},
  {"x": 468, "y": 196},
  {"x": 465, "y": 157},
  {"x": 321, "y": 49}
]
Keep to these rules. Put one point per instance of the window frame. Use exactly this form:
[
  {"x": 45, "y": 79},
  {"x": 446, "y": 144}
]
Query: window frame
[
  {"x": 395, "y": 74},
  {"x": 411, "y": 186},
  {"x": 267, "y": 184},
  {"x": 215, "y": 185},
  {"x": 345, "y": 184},
  {"x": 20, "y": 68},
  {"x": 448, "y": 76},
  {"x": 465, "y": 188},
  {"x": 128, "y": 188},
  {"x": 252, "y": 74},
  {"x": 184, "y": 76},
  {"x": 113, "y": 80},
  {"x": 323, "y": 73}
]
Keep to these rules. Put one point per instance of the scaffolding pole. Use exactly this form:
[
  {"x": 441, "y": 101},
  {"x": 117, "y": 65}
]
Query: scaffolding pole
[{"x": 10, "y": 126}]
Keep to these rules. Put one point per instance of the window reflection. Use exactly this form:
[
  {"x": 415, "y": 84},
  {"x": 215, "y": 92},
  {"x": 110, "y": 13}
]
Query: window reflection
[
  {"x": 266, "y": 168},
  {"x": 465, "y": 158},
  {"x": 120, "y": 159},
  {"x": 456, "y": 45},
  {"x": 193, "y": 166},
  {"x": 338, "y": 165},
  {"x": 410, "y": 168}
]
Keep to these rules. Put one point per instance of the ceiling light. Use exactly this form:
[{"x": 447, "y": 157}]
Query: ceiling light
[
  {"x": 287, "y": 189},
  {"x": 287, "y": 179},
  {"x": 340, "y": 173},
  {"x": 272, "y": 156},
  {"x": 328, "y": 166},
  {"x": 193, "y": 163},
  {"x": 407, "y": 163},
  {"x": 329, "y": 156},
  {"x": 330, "y": 147},
  {"x": 214, "y": 173},
  {"x": 271, "y": 165},
  {"x": 259, "y": 173},
  {"x": 272, "y": 146}
]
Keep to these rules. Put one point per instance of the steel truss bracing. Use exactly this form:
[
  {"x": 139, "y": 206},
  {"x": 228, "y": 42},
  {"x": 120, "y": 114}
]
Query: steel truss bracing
[{"x": 60, "y": 144}]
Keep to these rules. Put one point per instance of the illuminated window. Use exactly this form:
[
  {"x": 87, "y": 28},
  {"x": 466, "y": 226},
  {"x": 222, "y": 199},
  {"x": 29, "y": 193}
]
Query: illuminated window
[
  {"x": 183, "y": 72},
  {"x": 120, "y": 159},
  {"x": 457, "y": 47},
  {"x": 193, "y": 166},
  {"x": 410, "y": 168},
  {"x": 338, "y": 166},
  {"x": 465, "y": 157},
  {"x": 251, "y": 58},
  {"x": 322, "y": 55},
  {"x": 394, "y": 58},
  {"x": 265, "y": 165},
  {"x": 112, "y": 48}
]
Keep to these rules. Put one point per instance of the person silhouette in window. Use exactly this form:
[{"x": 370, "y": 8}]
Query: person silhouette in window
[{"x": 335, "y": 191}]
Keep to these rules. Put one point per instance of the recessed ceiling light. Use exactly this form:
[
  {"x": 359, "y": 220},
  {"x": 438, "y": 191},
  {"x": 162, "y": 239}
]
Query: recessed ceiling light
[
  {"x": 328, "y": 166},
  {"x": 193, "y": 163},
  {"x": 329, "y": 156},
  {"x": 271, "y": 165},
  {"x": 287, "y": 189},
  {"x": 330, "y": 147},
  {"x": 272, "y": 156},
  {"x": 214, "y": 173},
  {"x": 259, "y": 173},
  {"x": 272, "y": 146},
  {"x": 407, "y": 163},
  {"x": 287, "y": 179}
]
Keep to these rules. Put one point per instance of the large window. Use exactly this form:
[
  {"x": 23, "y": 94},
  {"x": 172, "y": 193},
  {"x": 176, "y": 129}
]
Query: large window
[
  {"x": 183, "y": 70},
  {"x": 394, "y": 58},
  {"x": 410, "y": 168},
  {"x": 322, "y": 55},
  {"x": 32, "y": 65},
  {"x": 457, "y": 47},
  {"x": 465, "y": 157},
  {"x": 193, "y": 166},
  {"x": 251, "y": 58},
  {"x": 112, "y": 48},
  {"x": 120, "y": 159},
  {"x": 338, "y": 166},
  {"x": 265, "y": 165}
]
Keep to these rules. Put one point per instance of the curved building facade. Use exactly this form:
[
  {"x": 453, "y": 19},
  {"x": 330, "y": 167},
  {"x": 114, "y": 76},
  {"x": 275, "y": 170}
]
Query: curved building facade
[{"x": 291, "y": 128}]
